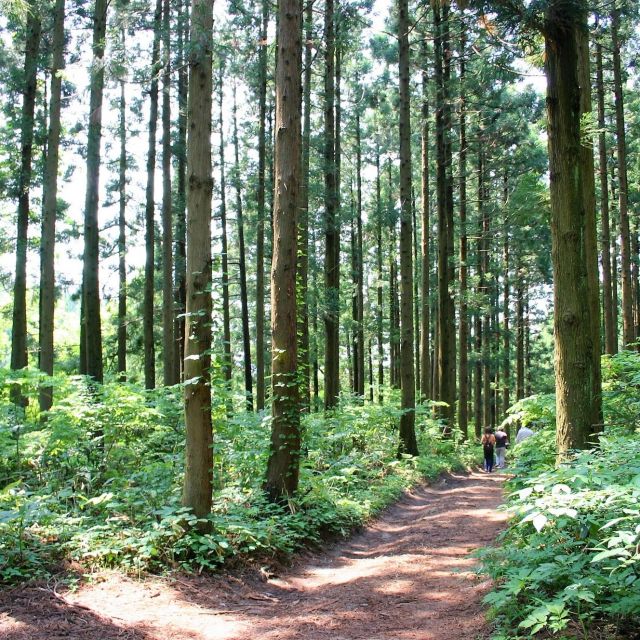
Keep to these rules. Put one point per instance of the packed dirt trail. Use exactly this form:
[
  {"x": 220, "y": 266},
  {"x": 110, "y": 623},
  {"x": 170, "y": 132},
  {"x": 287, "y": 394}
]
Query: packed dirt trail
[{"x": 409, "y": 575}]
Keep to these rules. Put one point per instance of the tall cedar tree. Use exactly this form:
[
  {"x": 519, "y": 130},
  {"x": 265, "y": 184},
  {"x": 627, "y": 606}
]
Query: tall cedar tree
[
  {"x": 408, "y": 442},
  {"x": 332, "y": 223},
  {"x": 91, "y": 326},
  {"x": 149, "y": 211},
  {"x": 49, "y": 207},
  {"x": 283, "y": 465},
  {"x": 197, "y": 359},
  {"x": 122, "y": 226}
]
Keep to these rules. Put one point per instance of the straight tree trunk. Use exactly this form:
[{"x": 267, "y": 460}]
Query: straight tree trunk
[
  {"x": 628, "y": 333},
  {"x": 416, "y": 295},
  {"x": 49, "y": 207},
  {"x": 226, "y": 313},
  {"x": 506, "y": 312},
  {"x": 122, "y": 230},
  {"x": 463, "y": 335},
  {"x": 168, "y": 339},
  {"x": 332, "y": 224},
  {"x": 244, "y": 298},
  {"x": 181, "y": 199},
  {"x": 283, "y": 465},
  {"x": 573, "y": 228},
  {"x": 303, "y": 225},
  {"x": 425, "y": 328},
  {"x": 610, "y": 331},
  {"x": 519, "y": 333},
  {"x": 446, "y": 309},
  {"x": 149, "y": 235},
  {"x": 379, "y": 260},
  {"x": 408, "y": 443},
  {"x": 262, "y": 154},
  {"x": 19, "y": 358},
  {"x": 198, "y": 475},
  {"x": 92, "y": 326},
  {"x": 359, "y": 262}
]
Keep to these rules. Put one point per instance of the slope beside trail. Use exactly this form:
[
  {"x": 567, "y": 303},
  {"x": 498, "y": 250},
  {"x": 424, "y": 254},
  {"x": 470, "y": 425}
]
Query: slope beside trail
[{"x": 409, "y": 575}]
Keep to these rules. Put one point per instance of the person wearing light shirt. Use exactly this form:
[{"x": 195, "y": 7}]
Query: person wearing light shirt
[{"x": 523, "y": 434}]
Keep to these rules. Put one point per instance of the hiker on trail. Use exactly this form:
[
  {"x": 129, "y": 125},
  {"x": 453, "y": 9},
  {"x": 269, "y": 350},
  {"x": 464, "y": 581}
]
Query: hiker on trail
[
  {"x": 501, "y": 448},
  {"x": 488, "y": 443},
  {"x": 523, "y": 434}
]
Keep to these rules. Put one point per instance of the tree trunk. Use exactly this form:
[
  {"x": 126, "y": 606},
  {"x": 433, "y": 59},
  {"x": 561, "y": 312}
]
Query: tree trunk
[
  {"x": 92, "y": 330},
  {"x": 573, "y": 225},
  {"x": 262, "y": 154},
  {"x": 610, "y": 330},
  {"x": 283, "y": 466},
  {"x": 19, "y": 358},
  {"x": 149, "y": 235},
  {"x": 198, "y": 476},
  {"x": 463, "y": 374},
  {"x": 359, "y": 263},
  {"x": 181, "y": 199},
  {"x": 379, "y": 259},
  {"x": 49, "y": 208},
  {"x": 506, "y": 309},
  {"x": 628, "y": 333},
  {"x": 226, "y": 313},
  {"x": 122, "y": 230},
  {"x": 168, "y": 339},
  {"x": 425, "y": 329},
  {"x": 244, "y": 299},
  {"x": 332, "y": 223},
  {"x": 446, "y": 308},
  {"x": 303, "y": 225},
  {"x": 408, "y": 443}
]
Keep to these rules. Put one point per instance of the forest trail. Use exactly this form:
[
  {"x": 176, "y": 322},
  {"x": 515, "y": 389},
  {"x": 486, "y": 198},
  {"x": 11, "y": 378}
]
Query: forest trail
[{"x": 408, "y": 576}]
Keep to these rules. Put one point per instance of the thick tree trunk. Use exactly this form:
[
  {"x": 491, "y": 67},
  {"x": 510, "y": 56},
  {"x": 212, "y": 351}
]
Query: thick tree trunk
[
  {"x": 359, "y": 263},
  {"x": 92, "y": 329},
  {"x": 149, "y": 235},
  {"x": 198, "y": 476},
  {"x": 283, "y": 466},
  {"x": 573, "y": 228},
  {"x": 262, "y": 155},
  {"x": 332, "y": 223},
  {"x": 168, "y": 339},
  {"x": 408, "y": 443},
  {"x": 49, "y": 207},
  {"x": 244, "y": 298}
]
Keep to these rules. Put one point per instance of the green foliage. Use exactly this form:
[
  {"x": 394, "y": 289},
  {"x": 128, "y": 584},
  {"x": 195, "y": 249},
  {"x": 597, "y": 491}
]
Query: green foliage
[
  {"x": 571, "y": 553},
  {"x": 99, "y": 480}
]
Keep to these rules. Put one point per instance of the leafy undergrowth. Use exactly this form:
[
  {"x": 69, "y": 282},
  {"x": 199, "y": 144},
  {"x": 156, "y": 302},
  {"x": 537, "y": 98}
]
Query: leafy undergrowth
[
  {"x": 569, "y": 562},
  {"x": 99, "y": 482}
]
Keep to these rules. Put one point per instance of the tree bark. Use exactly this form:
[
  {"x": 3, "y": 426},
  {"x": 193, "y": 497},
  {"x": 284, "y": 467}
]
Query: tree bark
[
  {"x": 198, "y": 477},
  {"x": 168, "y": 339},
  {"x": 283, "y": 465},
  {"x": 332, "y": 224},
  {"x": 408, "y": 443},
  {"x": 122, "y": 229},
  {"x": 49, "y": 208},
  {"x": 379, "y": 260},
  {"x": 573, "y": 225},
  {"x": 262, "y": 154},
  {"x": 149, "y": 235},
  {"x": 244, "y": 299},
  {"x": 92, "y": 329}
]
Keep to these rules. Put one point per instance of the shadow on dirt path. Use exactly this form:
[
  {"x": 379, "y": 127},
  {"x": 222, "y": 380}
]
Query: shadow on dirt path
[{"x": 407, "y": 576}]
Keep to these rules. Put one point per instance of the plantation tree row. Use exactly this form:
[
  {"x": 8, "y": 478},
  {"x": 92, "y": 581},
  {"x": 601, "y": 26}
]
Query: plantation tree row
[{"x": 325, "y": 212}]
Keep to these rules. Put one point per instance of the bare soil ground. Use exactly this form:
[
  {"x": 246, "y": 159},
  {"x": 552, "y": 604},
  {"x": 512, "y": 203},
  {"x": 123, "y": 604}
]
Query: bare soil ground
[{"x": 408, "y": 576}]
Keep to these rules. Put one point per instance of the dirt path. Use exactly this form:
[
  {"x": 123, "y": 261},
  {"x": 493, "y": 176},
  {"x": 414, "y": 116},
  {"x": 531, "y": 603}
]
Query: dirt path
[{"x": 407, "y": 576}]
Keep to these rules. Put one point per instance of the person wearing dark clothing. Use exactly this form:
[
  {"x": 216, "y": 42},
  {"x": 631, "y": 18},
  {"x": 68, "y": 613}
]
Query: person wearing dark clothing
[{"x": 488, "y": 444}]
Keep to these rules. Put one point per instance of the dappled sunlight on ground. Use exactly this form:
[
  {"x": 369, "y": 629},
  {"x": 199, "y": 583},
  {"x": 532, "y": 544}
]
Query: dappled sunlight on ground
[{"x": 408, "y": 576}]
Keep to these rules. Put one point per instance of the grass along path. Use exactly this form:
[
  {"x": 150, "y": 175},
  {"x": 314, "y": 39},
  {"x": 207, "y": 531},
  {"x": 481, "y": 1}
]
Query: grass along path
[{"x": 409, "y": 575}]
